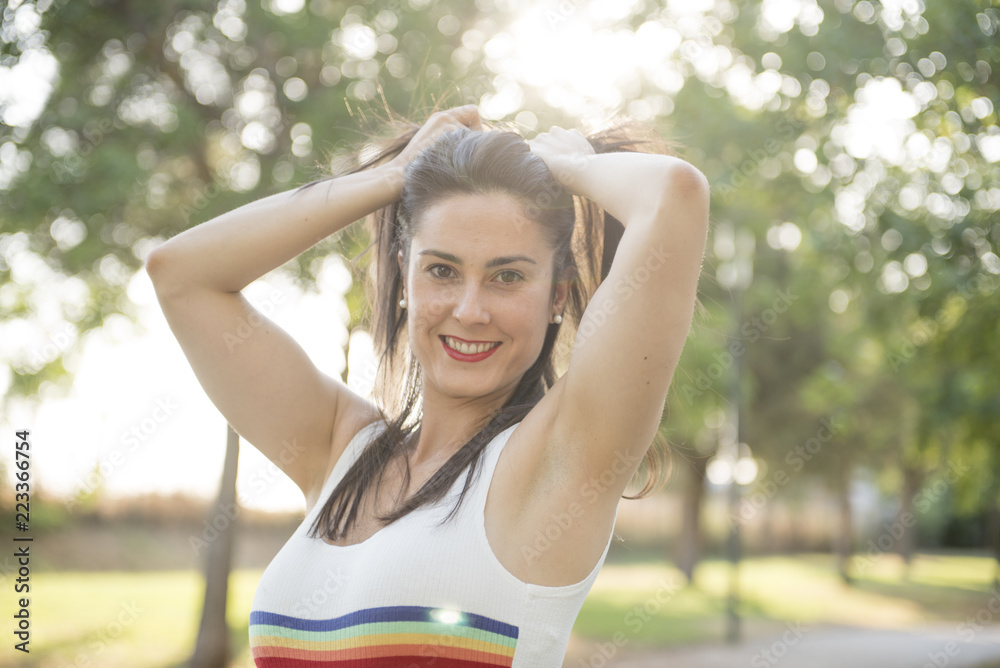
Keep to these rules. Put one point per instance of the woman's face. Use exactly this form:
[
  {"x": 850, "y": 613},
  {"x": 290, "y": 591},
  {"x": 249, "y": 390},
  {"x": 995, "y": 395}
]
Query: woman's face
[{"x": 479, "y": 294}]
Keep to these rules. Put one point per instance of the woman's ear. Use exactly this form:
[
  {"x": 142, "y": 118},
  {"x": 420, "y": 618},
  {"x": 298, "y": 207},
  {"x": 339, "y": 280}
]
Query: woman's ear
[{"x": 562, "y": 290}]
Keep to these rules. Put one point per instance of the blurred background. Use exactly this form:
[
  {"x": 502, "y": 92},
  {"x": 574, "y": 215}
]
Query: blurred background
[{"x": 833, "y": 423}]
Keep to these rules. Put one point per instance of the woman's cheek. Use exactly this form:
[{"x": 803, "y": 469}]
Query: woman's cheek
[{"x": 432, "y": 304}]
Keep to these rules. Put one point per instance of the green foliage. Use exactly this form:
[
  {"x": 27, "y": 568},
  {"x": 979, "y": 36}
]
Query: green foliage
[{"x": 894, "y": 249}]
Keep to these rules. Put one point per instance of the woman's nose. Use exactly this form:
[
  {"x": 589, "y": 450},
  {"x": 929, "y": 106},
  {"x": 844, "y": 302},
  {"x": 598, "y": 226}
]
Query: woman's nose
[{"x": 471, "y": 305}]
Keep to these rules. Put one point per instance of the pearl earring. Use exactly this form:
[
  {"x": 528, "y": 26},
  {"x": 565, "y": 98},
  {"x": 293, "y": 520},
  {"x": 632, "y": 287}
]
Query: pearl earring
[
  {"x": 402, "y": 303},
  {"x": 557, "y": 319}
]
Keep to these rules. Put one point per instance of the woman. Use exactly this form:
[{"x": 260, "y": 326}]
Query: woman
[{"x": 466, "y": 528}]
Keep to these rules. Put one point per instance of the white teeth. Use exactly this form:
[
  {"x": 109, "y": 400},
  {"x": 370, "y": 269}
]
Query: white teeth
[{"x": 468, "y": 348}]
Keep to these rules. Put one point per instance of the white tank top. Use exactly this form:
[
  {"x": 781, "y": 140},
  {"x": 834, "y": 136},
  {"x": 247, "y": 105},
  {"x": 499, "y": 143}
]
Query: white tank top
[{"x": 414, "y": 594}]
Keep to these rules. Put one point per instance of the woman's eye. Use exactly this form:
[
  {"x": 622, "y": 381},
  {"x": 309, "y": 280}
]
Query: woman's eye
[
  {"x": 509, "y": 276},
  {"x": 434, "y": 270}
]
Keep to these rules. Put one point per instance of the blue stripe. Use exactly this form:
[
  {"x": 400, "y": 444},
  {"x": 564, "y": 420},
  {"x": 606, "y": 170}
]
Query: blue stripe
[{"x": 397, "y": 613}]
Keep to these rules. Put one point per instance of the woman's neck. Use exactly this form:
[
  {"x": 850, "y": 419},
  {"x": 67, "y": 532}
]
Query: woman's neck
[{"x": 447, "y": 424}]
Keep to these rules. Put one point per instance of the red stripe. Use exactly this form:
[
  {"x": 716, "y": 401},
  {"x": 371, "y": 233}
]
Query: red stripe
[{"x": 383, "y": 662}]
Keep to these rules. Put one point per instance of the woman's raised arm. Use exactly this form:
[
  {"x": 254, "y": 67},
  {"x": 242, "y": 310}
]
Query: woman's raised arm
[
  {"x": 630, "y": 337},
  {"x": 258, "y": 377},
  {"x": 231, "y": 251}
]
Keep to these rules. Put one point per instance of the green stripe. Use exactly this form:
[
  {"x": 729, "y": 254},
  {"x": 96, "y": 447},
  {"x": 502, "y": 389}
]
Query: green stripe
[{"x": 384, "y": 628}]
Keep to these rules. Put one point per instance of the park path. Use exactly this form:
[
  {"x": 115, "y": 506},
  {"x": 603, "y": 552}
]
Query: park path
[{"x": 941, "y": 646}]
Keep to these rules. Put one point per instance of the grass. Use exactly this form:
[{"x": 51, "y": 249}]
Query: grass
[
  {"x": 805, "y": 589},
  {"x": 149, "y": 619},
  {"x": 135, "y": 619}
]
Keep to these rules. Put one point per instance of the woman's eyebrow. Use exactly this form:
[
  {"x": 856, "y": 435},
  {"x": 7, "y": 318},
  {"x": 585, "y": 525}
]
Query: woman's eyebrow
[{"x": 495, "y": 262}]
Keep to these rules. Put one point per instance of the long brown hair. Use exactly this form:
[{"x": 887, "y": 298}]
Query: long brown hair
[{"x": 584, "y": 240}]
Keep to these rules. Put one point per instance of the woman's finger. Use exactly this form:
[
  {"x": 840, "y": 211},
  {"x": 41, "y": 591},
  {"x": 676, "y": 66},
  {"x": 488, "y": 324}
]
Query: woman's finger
[
  {"x": 467, "y": 115},
  {"x": 437, "y": 124}
]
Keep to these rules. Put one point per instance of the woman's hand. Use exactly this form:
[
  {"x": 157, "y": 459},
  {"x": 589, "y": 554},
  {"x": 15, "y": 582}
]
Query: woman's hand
[
  {"x": 438, "y": 123},
  {"x": 564, "y": 152}
]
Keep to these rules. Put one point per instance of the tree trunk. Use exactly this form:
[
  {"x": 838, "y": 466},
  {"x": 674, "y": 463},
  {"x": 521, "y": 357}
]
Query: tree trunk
[
  {"x": 994, "y": 536},
  {"x": 689, "y": 545},
  {"x": 843, "y": 543},
  {"x": 212, "y": 647},
  {"x": 905, "y": 519}
]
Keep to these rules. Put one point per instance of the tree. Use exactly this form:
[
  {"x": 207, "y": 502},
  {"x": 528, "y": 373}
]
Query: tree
[{"x": 212, "y": 645}]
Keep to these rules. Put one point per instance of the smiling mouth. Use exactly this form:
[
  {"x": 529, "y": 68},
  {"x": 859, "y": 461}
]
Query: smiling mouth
[{"x": 470, "y": 348}]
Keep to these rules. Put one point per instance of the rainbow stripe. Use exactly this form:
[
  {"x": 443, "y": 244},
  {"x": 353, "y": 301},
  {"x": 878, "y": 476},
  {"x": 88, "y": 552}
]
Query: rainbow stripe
[{"x": 399, "y": 636}]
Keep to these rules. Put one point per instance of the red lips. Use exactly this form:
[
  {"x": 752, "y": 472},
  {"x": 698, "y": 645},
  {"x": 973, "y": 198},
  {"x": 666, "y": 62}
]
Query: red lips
[{"x": 464, "y": 357}]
